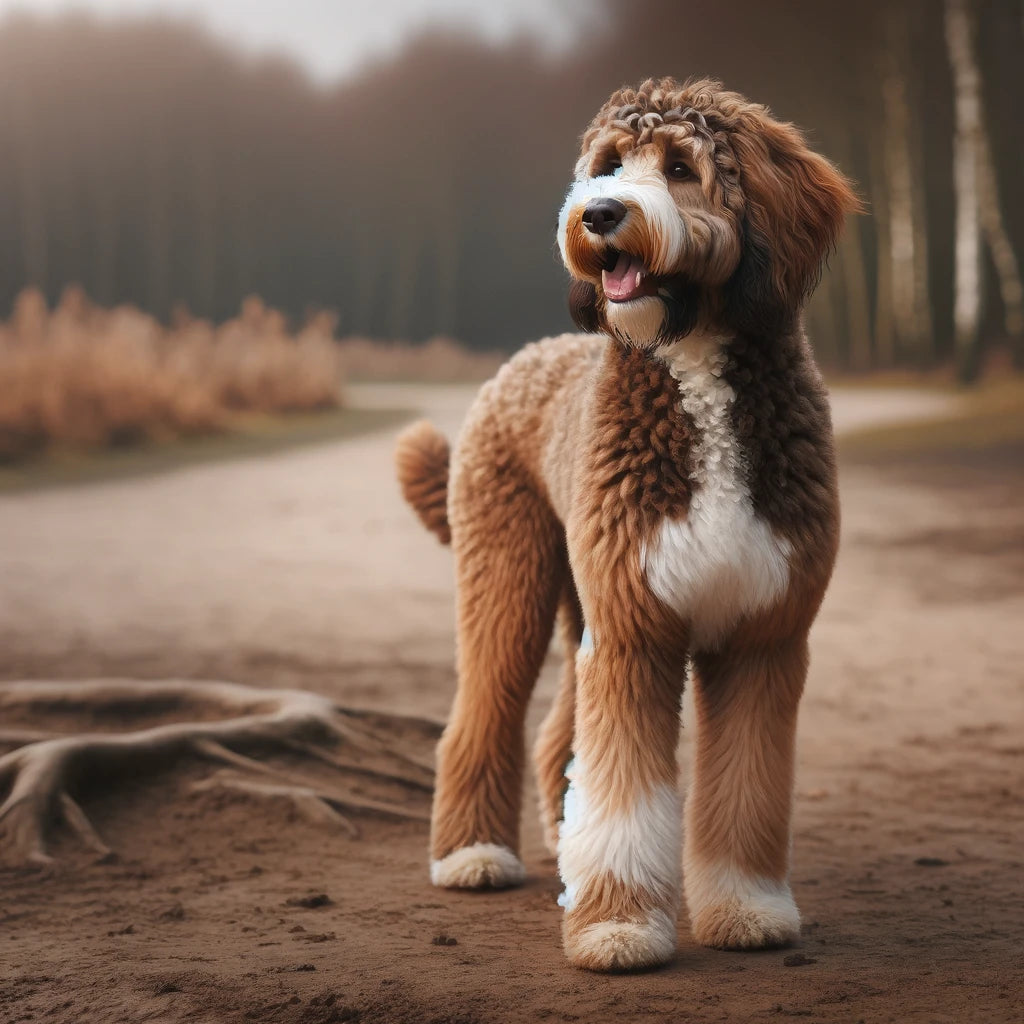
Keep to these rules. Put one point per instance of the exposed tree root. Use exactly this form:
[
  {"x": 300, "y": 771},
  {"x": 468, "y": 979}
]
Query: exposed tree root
[{"x": 40, "y": 776}]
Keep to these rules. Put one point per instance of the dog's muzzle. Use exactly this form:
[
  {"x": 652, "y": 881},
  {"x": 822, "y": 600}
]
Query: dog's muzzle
[{"x": 603, "y": 215}]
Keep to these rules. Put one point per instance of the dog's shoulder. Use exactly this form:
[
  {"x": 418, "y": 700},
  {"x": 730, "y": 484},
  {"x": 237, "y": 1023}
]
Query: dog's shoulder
[
  {"x": 557, "y": 352},
  {"x": 523, "y": 403},
  {"x": 540, "y": 373}
]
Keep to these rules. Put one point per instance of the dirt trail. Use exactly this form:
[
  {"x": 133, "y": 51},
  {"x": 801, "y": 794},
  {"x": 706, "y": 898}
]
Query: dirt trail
[{"x": 305, "y": 569}]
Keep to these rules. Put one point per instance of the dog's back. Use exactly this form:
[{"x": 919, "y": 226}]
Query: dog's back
[{"x": 530, "y": 412}]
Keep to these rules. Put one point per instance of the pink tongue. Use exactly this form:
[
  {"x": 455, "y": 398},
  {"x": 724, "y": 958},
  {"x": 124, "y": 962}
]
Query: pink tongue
[{"x": 620, "y": 283}]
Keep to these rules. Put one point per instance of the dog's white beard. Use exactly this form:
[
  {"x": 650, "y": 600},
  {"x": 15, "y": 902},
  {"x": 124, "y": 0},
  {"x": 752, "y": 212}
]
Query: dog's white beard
[{"x": 637, "y": 322}]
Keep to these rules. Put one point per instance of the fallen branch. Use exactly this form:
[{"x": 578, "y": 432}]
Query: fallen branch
[{"x": 222, "y": 719}]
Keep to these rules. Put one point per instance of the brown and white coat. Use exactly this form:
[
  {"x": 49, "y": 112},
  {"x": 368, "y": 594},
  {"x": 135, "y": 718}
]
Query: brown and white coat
[{"x": 669, "y": 482}]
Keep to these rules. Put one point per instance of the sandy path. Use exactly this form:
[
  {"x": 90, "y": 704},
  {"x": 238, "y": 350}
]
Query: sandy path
[
  {"x": 305, "y": 568},
  {"x": 307, "y": 560}
]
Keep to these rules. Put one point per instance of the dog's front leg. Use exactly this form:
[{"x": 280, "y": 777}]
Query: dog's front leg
[
  {"x": 738, "y": 808},
  {"x": 619, "y": 843}
]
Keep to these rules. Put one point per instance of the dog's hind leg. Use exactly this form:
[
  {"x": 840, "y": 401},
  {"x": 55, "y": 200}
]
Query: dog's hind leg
[
  {"x": 553, "y": 747},
  {"x": 510, "y": 570},
  {"x": 736, "y": 863}
]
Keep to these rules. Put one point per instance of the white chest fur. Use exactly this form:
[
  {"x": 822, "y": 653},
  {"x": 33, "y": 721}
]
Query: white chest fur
[{"x": 721, "y": 562}]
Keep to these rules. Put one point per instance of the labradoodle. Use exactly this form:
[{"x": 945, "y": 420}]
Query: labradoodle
[{"x": 665, "y": 487}]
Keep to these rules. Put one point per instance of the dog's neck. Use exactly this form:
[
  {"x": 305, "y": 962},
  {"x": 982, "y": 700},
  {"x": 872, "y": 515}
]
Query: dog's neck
[
  {"x": 698, "y": 363},
  {"x": 696, "y": 360}
]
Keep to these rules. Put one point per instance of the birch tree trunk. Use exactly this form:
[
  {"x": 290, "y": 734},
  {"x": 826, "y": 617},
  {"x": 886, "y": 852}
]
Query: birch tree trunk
[
  {"x": 922, "y": 292},
  {"x": 884, "y": 327},
  {"x": 967, "y": 275},
  {"x": 907, "y": 169},
  {"x": 994, "y": 228},
  {"x": 899, "y": 191}
]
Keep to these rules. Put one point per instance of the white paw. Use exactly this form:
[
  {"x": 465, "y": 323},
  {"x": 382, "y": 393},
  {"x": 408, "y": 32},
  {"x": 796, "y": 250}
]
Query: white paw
[
  {"x": 754, "y": 921},
  {"x": 731, "y": 909},
  {"x": 623, "y": 945},
  {"x": 480, "y": 866}
]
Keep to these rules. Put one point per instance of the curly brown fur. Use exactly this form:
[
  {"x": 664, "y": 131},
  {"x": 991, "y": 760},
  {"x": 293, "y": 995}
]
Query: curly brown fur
[
  {"x": 644, "y": 436},
  {"x": 669, "y": 483}
]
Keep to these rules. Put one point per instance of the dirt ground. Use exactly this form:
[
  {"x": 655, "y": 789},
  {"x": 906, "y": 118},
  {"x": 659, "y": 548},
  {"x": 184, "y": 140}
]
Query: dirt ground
[{"x": 304, "y": 569}]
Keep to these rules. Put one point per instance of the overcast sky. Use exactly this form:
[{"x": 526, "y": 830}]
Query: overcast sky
[{"x": 333, "y": 37}]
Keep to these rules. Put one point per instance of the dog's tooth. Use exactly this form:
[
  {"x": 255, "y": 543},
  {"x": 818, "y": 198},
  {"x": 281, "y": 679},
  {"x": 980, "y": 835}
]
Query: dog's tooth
[{"x": 639, "y": 277}]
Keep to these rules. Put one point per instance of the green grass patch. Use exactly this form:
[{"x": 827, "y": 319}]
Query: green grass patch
[{"x": 249, "y": 436}]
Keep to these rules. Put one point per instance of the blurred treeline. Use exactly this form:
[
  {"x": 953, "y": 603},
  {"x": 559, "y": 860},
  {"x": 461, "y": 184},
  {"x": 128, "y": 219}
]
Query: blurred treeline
[{"x": 151, "y": 165}]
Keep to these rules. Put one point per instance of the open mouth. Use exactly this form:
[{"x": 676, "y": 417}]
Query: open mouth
[{"x": 626, "y": 277}]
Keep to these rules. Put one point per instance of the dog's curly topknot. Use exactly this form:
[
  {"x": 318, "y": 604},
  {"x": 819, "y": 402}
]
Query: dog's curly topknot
[{"x": 789, "y": 201}]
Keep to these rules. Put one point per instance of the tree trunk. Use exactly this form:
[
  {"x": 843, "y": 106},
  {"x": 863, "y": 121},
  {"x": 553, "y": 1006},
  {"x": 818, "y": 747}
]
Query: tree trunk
[
  {"x": 994, "y": 228},
  {"x": 967, "y": 282},
  {"x": 405, "y": 271},
  {"x": 855, "y": 286},
  {"x": 908, "y": 238},
  {"x": 898, "y": 194},
  {"x": 158, "y": 226},
  {"x": 204, "y": 198},
  {"x": 31, "y": 194},
  {"x": 884, "y": 326}
]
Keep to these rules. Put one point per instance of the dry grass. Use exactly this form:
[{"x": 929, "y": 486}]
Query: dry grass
[
  {"x": 80, "y": 377},
  {"x": 83, "y": 377},
  {"x": 990, "y": 415},
  {"x": 440, "y": 360}
]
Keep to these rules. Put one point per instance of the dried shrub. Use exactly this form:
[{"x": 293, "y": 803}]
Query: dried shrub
[
  {"x": 81, "y": 376},
  {"x": 440, "y": 360}
]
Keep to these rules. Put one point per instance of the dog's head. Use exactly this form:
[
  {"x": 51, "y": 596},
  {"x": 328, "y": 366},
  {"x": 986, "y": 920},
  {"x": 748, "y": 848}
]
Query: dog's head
[{"x": 692, "y": 206}]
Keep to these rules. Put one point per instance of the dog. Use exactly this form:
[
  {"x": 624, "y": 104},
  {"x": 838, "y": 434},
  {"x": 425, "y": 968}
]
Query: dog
[{"x": 664, "y": 486}]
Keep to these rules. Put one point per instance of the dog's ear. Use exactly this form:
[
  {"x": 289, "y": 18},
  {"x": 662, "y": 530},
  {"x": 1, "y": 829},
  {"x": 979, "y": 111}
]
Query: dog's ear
[
  {"x": 795, "y": 205},
  {"x": 583, "y": 307}
]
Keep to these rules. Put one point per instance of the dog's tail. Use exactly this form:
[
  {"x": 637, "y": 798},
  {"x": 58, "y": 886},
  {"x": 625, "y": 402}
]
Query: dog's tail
[{"x": 422, "y": 456}]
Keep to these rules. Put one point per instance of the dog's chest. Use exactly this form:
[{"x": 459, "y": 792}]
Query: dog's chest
[
  {"x": 716, "y": 560},
  {"x": 642, "y": 438}
]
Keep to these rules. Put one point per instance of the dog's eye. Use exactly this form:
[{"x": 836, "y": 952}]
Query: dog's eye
[
  {"x": 679, "y": 171},
  {"x": 612, "y": 166}
]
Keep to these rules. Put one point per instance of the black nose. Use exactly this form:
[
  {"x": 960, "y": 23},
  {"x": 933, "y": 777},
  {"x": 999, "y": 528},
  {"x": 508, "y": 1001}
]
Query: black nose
[{"x": 601, "y": 215}]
